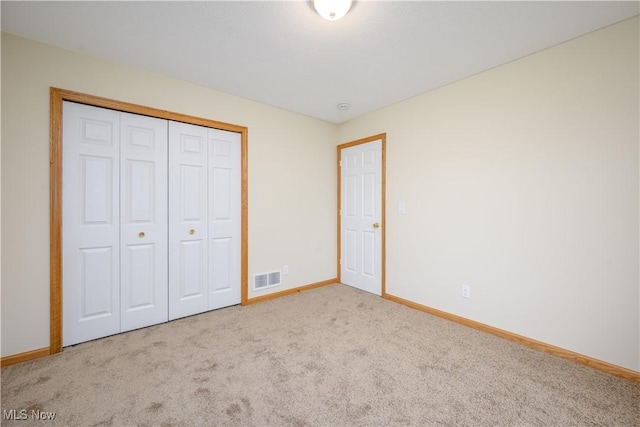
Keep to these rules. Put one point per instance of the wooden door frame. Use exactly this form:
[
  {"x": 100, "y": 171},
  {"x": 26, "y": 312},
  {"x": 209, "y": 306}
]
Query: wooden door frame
[
  {"x": 57, "y": 96},
  {"x": 383, "y": 189}
]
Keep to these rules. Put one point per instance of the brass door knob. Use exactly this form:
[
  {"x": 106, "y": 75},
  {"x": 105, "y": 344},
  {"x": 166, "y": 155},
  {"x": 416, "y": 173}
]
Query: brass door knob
[
  {"x": 192, "y": 231},
  {"x": 376, "y": 225},
  {"x": 141, "y": 234}
]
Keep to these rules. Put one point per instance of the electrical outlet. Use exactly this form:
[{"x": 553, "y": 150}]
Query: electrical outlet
[
  {"x": 285, "y": 269},
  {"x": 466, "y": 291}
]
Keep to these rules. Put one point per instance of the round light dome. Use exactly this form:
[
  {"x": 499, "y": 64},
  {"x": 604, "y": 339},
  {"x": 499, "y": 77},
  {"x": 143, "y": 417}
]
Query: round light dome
[{"x": 332, "y": 10}]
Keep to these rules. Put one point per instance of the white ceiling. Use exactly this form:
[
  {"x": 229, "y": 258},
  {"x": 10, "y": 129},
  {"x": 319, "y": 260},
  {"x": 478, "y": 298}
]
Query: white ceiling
[{"x": 282, "y": 53}]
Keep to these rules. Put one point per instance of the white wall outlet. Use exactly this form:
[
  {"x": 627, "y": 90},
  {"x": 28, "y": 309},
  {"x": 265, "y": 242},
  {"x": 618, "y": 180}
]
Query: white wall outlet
[
  {"x": 466, "y": 291},
  {"x": 285, "y": 269},
  {"x": 401, "y": 208}
]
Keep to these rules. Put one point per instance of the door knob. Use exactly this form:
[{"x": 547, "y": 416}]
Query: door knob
[
  {"x": 192, "y": 231},
  {"x": 141, "y": 234},
  {"x": 376, "y": 225}
]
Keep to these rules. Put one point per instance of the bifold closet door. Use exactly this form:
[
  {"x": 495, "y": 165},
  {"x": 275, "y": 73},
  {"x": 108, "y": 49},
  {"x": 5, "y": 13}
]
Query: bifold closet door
[
  {"x": 91, "y": 223},
  {"x": 188, "y": 231},
  {"x": 114, "y": 222},
  {"x": 143, "y": 221},
  {"x": 224, "y": 218},
  {"x": 204, "y": 219},
  {"x": 151, "y": 221}
]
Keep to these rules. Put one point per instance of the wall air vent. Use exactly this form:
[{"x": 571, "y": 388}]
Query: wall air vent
[{"x": 266, "y": 280}]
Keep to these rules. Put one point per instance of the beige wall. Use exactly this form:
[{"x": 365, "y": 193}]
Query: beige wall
[
  {"x": 282, "y": 146},
  {"x": 522, "y": 182}
]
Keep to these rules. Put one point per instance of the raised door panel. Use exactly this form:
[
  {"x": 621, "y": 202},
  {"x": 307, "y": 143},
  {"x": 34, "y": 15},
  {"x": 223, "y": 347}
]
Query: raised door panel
[
  {"x": 96, "y": 283},
  {"x": 91, "y": 223},
  {"x": 351, "y": 261},
  {"x": 224, "y": 218},
  {"x": 188, "y": 227},
  {"x": 143, "y": 192}
]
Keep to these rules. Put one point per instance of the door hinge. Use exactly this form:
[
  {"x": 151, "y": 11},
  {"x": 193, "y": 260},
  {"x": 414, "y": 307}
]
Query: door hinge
[{"x": 340, "y": 163}]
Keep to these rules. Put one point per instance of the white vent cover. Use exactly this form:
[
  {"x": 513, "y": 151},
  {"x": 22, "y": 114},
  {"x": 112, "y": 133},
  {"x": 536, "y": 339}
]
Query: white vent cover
[{"x": 266, "y": 280}]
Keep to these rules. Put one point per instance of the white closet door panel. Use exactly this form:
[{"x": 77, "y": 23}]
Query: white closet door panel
[
  {"x": 91, "y": 223},
  {"x": 224, "y": 218},
  {"x": 96, "y": 282},
  {"x": 188, "y": 231},
  {"x": 192, "y": 263},
  {"x": 143, "y": 193}
]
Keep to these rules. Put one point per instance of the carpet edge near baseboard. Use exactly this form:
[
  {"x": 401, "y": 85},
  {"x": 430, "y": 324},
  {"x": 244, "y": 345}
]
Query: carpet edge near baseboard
[
  {"x": 291, "y": 291},
  {"x": 600, "y": 365},
  {"x": 25, "y": 356}
]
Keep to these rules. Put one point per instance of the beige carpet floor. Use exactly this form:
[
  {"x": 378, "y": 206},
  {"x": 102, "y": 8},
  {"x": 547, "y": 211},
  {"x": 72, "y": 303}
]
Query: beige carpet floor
[{"x": 333, "y": 356}]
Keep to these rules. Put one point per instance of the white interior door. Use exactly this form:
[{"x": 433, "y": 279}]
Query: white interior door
[
  {"x": 224, "y": 218},
  {"x": 361, "y": 215},
  {"x": 188, "y": 228},
  {"x": 143, "y": 221},
  {"x": 91, "y": 223}
]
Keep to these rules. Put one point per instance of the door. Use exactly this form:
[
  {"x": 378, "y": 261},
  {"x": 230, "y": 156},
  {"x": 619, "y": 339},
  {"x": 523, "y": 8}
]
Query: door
[
  {"x": 113, "y": 245},
  {"x": 91, "y": 223},
  {"x": 224, "y": 218},
  {"x": 143, "y": 221},
  {"x": 188, "y": 228},
  {"x": 361, "y": 217},
  {"x": 204, "y": 219},
  {"x": 115, "y": 222}
]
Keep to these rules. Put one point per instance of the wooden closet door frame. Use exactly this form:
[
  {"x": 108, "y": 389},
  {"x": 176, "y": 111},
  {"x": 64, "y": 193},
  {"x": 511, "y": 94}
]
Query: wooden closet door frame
[{"x": 57, "y": 96}]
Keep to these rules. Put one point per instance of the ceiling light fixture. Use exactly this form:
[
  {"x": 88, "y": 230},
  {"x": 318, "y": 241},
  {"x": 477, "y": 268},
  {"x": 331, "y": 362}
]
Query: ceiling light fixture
[
  {"x": 343, "y": 106},
  {"x": 332, "y": 10}
]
